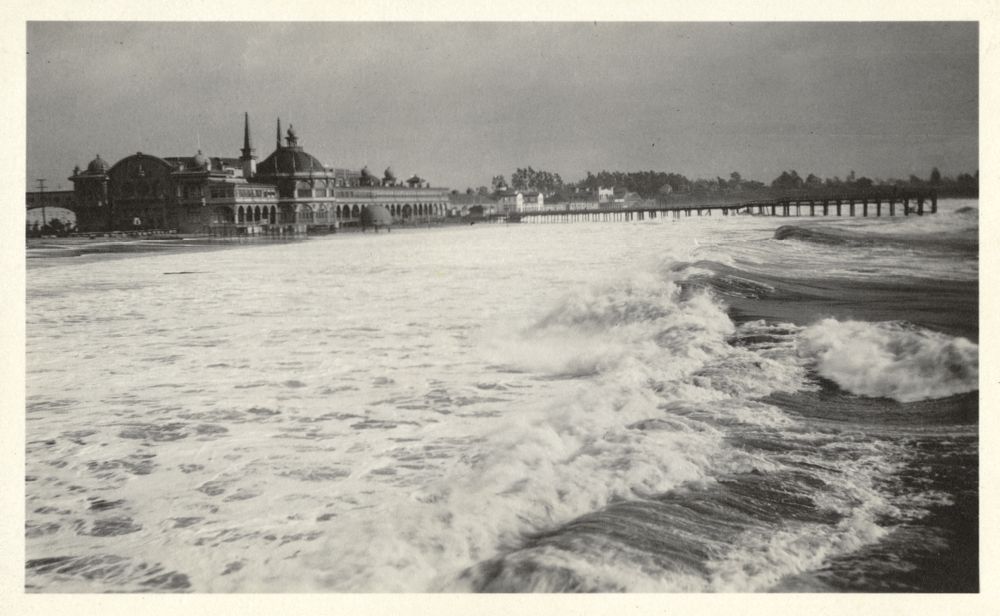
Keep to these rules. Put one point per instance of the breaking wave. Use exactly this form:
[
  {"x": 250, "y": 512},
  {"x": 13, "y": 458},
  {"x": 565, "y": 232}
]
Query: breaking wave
[
  {"x": 891, "y": 359},
  {"x": 905, "y": 235}
]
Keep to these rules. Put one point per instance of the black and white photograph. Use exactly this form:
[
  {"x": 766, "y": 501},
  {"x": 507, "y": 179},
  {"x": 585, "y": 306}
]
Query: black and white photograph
[{"x": 410, "y": 306}]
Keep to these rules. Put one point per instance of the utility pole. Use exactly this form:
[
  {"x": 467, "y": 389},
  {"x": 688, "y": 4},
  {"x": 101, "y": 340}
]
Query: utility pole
[{"x": 41, "y": 197}]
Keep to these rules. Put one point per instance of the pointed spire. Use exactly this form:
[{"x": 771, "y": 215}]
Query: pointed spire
[
  {"x": 247, "y": 148},
  {"x": 248, "y": 151},
  {"x": 249, "y": 159},
  {"x": 278, "y": 134}
]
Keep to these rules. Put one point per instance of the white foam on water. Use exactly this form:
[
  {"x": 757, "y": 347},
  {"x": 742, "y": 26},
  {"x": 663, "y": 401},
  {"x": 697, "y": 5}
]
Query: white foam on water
[
  {"x": 558, "y": 458},
  {"x": 375, "y": 413},
  {"x": 891, "y": 360}
]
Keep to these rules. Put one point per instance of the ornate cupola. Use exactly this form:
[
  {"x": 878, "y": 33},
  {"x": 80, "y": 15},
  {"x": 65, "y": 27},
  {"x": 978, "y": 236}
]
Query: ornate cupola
[
  {"x": 292, "y": 137},
  {"x": 198, "y": 161},
  {"x": 97, "y": 166}
]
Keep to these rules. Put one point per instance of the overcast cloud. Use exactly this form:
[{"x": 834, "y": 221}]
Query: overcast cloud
[{"x": 458, "y": 103}]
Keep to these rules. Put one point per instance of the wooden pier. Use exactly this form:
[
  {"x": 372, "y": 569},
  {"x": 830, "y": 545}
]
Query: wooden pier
[{"x": 885, "y": 203}]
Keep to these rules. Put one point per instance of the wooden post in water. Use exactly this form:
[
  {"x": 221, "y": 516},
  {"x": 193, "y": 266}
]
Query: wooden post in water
[
  {"x": 864, "y": 206},
  {"x": 878, "y": 207},
  {"x": 933, "y": 203},
  {"x": 920, "y": 206},
  {"x": 838, "y": 207},
  {"x": 892, "y": 207},
  {"x": 852, "y": 207}
]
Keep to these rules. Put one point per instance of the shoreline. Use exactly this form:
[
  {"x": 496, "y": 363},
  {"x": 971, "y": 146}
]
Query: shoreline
[{"x": 55, "y": 250}]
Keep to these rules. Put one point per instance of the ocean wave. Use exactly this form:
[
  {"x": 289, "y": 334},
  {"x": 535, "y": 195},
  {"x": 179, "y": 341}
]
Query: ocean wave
[
  {"x": 647, "y": 322},
  {"x": 891, "y": 359},
  {"x": 649, "y": 385},
  {"x": 920, "y": 234}
]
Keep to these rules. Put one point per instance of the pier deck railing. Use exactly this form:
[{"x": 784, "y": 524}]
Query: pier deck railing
[{"x": 875, "y": 202}]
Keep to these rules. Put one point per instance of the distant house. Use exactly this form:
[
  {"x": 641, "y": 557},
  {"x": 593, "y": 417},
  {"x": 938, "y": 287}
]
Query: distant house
[
  {"x": 520, "y": 201},
  {"x": 629, "y": 200},
  {"x": 605, "y": 195}
]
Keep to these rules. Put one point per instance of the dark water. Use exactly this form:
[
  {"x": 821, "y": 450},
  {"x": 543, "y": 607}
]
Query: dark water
[{"x": 872, "y": 484}]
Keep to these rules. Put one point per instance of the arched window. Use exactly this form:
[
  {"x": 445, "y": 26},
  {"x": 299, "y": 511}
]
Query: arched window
[
  {"x": 256, "y": 214},
  {"x": 355, "y": 211},
  {"x": 223, "y": 214},
  {"x": 239, "y": 215},
  {"x": 305, "y": 213}
]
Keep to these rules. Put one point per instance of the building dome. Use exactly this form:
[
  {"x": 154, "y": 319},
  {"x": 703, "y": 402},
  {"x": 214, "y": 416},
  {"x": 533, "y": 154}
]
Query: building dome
[
  {"x": 389, "y": 175},
  {"x": 290, "y": 161},
  {"x": 98, "y": 165},
  {"x": 365, "y": 173},
  {"x": 200, "y": 161}
]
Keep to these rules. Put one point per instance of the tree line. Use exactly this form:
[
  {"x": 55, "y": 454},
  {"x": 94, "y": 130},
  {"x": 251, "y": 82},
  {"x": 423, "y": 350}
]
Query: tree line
[{"x": 663, "y": 185}]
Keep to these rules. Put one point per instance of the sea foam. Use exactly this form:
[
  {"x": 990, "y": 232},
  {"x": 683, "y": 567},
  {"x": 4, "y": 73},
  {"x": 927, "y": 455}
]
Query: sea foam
[{"x": 891, "y": 359}]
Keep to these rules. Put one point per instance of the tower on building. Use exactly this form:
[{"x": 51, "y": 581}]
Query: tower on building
[{"x": 248, "y": 156}]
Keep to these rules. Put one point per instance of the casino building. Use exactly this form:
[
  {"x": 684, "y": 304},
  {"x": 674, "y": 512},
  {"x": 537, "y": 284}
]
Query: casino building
[{"x": 289, "y": 192}]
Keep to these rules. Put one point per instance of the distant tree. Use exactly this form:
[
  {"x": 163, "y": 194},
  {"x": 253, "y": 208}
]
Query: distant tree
[
  {"x": 850, "y": 177},
  {"x": 702, "y": 185},
  {"x": 482, "y": 190},
  {"x": 787, "y": 180},
  {"x": 863, "y": 182},
  {"x": 519, "y": 179},
  {"x": 935, "y": 177},
  {"x": 469, "y": 191},
  {"x": 813, "y": 180},
  {"x": 529, "y": 179},
  {"x": 499, "y": 183}
]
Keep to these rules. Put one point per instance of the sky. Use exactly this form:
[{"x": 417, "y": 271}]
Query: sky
[{"x": 458, "y": 103}]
